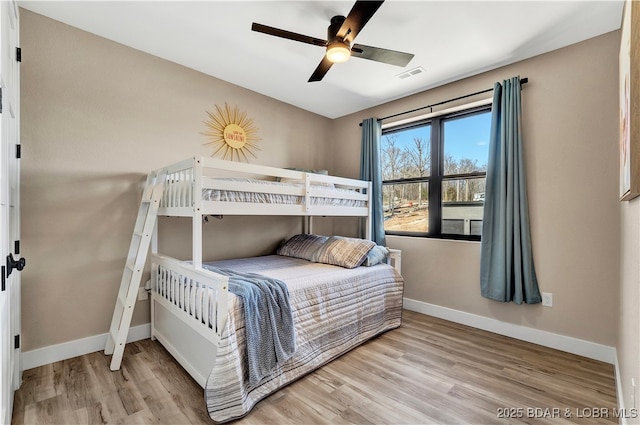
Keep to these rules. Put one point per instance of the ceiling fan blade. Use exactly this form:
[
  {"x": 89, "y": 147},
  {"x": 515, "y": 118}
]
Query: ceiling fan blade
[
  {"x": 391, "y": 57},
  {"x": 288, "y": 35},
  {"x": 359, "y": 15},
  {"x": 321, "y": 70}
]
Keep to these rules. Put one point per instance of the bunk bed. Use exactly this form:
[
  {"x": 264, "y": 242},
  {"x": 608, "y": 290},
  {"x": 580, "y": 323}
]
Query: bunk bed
[{"x": 336, "y": 303}]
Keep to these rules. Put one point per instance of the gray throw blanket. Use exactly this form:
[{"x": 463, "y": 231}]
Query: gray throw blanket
[{"x": 269, "y": 328}]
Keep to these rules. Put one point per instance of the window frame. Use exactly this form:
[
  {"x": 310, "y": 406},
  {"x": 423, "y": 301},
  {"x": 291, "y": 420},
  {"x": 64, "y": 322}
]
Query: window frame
[{"x": 436, "y": 175}]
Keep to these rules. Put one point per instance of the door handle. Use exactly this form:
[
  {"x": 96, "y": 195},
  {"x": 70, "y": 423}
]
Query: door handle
[{"x": 15, "y": 264}]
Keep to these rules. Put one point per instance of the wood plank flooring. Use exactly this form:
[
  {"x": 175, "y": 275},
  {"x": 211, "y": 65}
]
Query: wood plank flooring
[{"x": 429, "y": 371}]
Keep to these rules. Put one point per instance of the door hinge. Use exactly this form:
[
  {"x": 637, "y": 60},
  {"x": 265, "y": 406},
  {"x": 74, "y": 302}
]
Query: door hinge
[
  {"x": 18, "y": 151},
  {"x": 4, "y": 278},
  {"x": 0, "y": 100},
  {"x": 16, "y": 245},
  {"x": 16, "y": 341},
  {"x": 18, "y": 54}
]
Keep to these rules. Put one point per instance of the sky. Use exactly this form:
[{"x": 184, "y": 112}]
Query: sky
[{"x": 466, "y": 137}]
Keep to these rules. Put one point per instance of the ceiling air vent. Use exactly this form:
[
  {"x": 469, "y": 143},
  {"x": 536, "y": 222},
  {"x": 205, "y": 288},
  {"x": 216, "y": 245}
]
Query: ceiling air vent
[{"x": 411, "y": 73}]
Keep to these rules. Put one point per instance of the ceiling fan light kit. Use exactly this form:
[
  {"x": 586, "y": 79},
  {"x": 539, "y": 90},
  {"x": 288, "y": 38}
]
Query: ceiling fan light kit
[
  {"x": 340, "y": 35},
  {"x": 338, "y": 51}
]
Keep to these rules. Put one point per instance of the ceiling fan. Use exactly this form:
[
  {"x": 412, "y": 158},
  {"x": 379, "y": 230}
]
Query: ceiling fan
[{"x": 339, "y": 43}]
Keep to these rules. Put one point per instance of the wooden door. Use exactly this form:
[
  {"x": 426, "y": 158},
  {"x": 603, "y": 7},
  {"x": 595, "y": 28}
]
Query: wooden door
[{"x": 10, "y": 257}]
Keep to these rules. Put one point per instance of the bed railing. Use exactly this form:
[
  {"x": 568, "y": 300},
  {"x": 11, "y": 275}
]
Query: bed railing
[
  {"x": 186, "y": 181},
  {"x": 179, "y": 188},
  {"x": 200, "y": 297},
  {"x": 395, "y": 259}
]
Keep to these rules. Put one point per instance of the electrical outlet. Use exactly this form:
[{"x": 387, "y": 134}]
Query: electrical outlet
[
  {"x": 547, "y": 299},
  {"x": 142, "y": 294}
]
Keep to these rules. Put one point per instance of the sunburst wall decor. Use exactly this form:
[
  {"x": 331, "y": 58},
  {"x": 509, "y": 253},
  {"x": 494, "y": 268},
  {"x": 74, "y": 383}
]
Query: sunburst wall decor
[{"x": 231, "y": 133}]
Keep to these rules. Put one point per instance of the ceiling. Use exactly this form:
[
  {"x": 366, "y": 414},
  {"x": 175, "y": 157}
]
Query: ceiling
[{"x": 450, "y": 39}]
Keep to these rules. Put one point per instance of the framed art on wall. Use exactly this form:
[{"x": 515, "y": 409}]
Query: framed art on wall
[{"x": 629, "y": 63}]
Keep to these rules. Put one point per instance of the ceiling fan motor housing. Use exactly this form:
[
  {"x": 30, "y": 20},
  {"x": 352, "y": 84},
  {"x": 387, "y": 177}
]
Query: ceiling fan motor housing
[{"x": 334, "y": 27}]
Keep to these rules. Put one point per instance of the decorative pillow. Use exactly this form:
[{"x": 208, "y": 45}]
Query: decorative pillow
[
  {"x": 377, "y": 255},
  {"x": 343, "y": 252},
  {"x": 302, "y": 246}
]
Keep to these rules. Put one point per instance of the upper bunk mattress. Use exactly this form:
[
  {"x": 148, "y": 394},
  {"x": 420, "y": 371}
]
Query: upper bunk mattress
[{"x": 266, "y": 197}]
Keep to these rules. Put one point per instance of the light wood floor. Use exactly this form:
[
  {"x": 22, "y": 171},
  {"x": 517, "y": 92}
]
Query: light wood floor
[{"x": 427, "y": 371}]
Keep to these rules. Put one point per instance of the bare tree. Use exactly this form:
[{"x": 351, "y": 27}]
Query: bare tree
[
  {"x": 393, "y": 158},
  {"x": 462, "y": 190},
  {"x": 418, "y": 159},
  {"x": 393, "y": 166}
]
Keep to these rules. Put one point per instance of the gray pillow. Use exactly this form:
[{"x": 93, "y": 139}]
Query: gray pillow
[
  {"x": 302, "y": 246},
  {"x": 344, "y": 252}
]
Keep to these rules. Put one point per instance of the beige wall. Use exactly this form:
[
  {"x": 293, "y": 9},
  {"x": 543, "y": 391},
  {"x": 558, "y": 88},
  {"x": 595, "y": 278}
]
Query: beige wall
[
  {"x": 96, "y": 117},
  {"x": 570, "y": 135}
]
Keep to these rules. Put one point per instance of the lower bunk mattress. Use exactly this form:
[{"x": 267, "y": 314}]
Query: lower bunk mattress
[{"x": 334, "y": 310}]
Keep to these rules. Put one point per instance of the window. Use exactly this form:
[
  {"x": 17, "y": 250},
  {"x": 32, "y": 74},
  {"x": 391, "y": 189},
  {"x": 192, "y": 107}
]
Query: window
[{"x": 434, "y": 174}]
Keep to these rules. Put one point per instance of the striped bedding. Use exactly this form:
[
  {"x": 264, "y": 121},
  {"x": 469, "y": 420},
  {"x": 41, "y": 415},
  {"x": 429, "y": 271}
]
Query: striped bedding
[
  {"x": 222, "y": 195},
  {"x": 334, "y": 310}
]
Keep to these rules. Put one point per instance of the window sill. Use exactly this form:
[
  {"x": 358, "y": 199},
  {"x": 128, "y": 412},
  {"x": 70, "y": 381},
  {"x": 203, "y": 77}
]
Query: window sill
[{"x": 432, "y": 238}]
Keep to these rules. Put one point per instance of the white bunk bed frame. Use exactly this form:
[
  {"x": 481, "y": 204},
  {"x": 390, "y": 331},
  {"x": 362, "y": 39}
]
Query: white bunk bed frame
[{"x": 193, "y": 337}]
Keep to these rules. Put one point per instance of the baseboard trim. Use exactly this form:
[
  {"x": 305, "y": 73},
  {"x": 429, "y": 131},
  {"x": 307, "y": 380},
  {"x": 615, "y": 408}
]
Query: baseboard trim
[
  {"x": 568, "y": 344},
  {"x": 78, "y": 347}
]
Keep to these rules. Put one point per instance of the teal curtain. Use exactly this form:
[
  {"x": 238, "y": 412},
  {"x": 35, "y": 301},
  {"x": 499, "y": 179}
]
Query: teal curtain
[
  {"x": 507, "y": 272},
  {"x": 371, "y": 170}
]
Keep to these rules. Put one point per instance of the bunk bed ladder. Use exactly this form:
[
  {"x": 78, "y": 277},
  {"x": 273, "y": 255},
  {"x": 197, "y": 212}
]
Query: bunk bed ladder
[{"x": 132, "y": 274}]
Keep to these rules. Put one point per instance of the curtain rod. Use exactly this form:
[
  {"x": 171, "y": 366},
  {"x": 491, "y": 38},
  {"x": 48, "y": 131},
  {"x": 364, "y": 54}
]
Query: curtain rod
[{"x": 522, "y": 81}]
